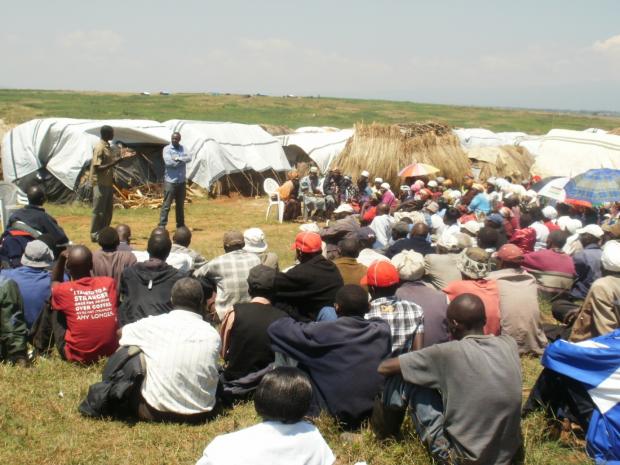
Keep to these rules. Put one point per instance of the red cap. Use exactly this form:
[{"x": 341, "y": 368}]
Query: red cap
[
  {"x": 509, "y": 253},
  {"x": 307, "y": 242},
  {"x": 381, "y": 273}
]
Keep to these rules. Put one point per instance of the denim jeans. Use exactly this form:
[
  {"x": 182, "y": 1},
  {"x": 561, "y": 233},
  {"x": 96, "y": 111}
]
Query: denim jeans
[
  {"x": 176, "y": 192},
  {"x": 426, "y": 410}
]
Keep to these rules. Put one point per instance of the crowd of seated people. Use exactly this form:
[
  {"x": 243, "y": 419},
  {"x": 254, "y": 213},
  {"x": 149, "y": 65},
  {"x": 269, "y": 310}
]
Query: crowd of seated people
[{"x": 426, "y": 307}]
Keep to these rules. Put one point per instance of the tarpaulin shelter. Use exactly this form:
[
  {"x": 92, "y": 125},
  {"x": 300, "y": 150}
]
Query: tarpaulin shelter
[
  {"x": 321, "y": 146},
  {"x": 238, "y": 155},
  {"x": 57, "y": 151},
  {"x": 569, "y": 153}
]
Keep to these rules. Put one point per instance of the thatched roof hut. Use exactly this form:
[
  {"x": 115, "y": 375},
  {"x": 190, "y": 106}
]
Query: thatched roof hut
[
  {"x": 505, "y": 160},
  {"x": 384, "y": 150},
  {"x": 615, "y": 132}
]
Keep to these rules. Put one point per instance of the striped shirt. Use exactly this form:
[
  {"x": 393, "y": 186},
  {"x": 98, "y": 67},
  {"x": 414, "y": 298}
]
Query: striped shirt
[{"x": 181, "y": 352}]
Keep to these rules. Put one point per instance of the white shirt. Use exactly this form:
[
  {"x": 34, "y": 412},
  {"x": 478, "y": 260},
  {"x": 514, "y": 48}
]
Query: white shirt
[
  {"x": 367, "y": 256},
  {"x": 542, "y": 232},
  {"x": 181, "y": 352},
  {"x": 270, "y": 442},
  {"x": 180, "y": 261},
  {"x": 382, "y": 226}
]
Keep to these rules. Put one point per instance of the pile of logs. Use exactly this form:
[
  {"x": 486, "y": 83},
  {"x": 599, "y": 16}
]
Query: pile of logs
[{"x": 150, "y": 196}]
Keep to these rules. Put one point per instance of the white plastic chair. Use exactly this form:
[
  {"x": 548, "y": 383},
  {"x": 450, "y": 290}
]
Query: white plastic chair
[{"x": 270, "y": 186}]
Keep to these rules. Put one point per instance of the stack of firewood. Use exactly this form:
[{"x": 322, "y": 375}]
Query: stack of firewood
[{"x": 149, "y": 196}]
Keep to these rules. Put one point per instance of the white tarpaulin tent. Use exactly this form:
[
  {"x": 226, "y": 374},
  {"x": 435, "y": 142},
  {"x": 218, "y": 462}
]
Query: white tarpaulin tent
[
  {"x": 569, "y": 153},
  {"x": 64, "y": 146},
  {"x": 478, "y": 137},
  {"x": 220, "y": 149},
  {"x": 321, "y": 147}
]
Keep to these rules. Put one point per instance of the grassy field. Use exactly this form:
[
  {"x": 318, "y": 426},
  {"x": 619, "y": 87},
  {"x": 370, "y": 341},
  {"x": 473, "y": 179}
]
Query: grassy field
[
  {"x": 39, "y": 422},
  {"x": 17, "y": 106}
]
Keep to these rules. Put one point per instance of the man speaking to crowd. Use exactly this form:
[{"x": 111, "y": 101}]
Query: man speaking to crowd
[{"x": 175, "y": 159}]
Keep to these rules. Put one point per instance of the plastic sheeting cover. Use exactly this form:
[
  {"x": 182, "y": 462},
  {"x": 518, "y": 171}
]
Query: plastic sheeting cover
[{"x": 321, "y": 147}]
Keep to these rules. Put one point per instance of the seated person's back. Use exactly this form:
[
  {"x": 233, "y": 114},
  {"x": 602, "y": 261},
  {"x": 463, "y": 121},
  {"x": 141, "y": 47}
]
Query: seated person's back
[
  {"x": 551, "y": 259},
  {"x": 282, "y": 399},
  {"x": 340, "y": 356},
  {"x": 181, "y": 352},
  {"x": 88, "y": 305},
  {"x": 230, "y": 272},
  {"x": 313, "y": 283},
  {"x": 146, "y": 286},
  {"x": 109, "y": 261},
  {"x": 246, "y": 346},
  {"x": 33, "y": 279}
]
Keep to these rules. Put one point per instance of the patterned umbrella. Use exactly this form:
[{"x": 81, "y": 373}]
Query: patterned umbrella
[
  {"x": 595, "y": 186},
  {"x": 552, "y": 188},
  {"x": 418, "y": 169}
]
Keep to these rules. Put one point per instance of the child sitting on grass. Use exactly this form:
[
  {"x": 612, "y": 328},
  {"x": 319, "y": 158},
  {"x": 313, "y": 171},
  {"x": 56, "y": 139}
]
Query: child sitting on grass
[{"x": 281, "y": 400}]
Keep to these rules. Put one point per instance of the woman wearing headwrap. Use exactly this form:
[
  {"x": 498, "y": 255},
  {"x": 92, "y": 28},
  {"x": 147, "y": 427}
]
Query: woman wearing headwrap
[{"x": 289, "y": 192}]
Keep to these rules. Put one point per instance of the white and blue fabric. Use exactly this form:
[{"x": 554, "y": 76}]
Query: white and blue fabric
[{"x": 596, "y": 364}]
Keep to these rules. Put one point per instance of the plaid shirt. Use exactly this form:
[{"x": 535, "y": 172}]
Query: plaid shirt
[
  {"x": 230, "y": 272},
  {"x": 405, "y": 318}
]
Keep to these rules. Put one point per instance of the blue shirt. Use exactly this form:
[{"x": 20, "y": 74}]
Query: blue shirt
[
  {"x": 480, "y": 203},
  {"x": 34, "y": 285},
  {"x": 175, "y": 160}
]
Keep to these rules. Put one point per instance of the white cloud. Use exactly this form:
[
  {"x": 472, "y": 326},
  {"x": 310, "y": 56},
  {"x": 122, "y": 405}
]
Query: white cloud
[{"x": 613, "y": 43}]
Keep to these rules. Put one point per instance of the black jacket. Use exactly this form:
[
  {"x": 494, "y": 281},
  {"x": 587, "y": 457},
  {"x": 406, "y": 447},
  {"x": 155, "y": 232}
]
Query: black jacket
[
  {"x": 145, "y": 290},
  {"x": 37, "y": 218},
  {"x": 308, "y": 287}
]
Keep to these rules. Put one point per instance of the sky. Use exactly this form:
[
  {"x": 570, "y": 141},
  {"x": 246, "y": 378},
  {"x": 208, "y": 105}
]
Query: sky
[{"x": 546, "y": 54}]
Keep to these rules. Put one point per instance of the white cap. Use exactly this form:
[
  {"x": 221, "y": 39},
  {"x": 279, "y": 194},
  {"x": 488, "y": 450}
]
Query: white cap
[
  {"x": 610, "y": 258},
  {"x": 591, "y": 229},
  {"x": 432, "y": 183},
  {"x": 531, "y": 194},
  {"x": 365, "y": 173},
  {"x": 254, "y": 240},
  {"x": 549, "y": 212},
  {"x": 385, "y": 185},
  {"x": 314, "y": 169},
  {"x": 379, "y": 180},
  {"x": 344, "y": 208},
  {"x": 471, "y": 226}
]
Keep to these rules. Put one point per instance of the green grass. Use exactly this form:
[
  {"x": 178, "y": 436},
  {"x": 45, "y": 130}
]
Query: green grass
[
  {"x": 39, "y": 422},
  {"x": 17, "y": 106}
]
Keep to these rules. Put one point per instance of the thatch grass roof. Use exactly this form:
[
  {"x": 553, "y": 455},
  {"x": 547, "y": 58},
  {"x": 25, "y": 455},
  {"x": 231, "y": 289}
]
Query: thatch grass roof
[
  {"x": 506, "y": 160},
  {"x": 615, "y": 132},
  {"x": 384, "y": 150},
  {"x": 276, "y": 130}
]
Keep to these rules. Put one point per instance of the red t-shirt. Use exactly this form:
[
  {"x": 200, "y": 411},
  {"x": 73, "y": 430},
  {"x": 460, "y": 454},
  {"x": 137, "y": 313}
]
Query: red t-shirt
[
  {"x": 89, "y": 305},
  {"x": 488, "y": 293}
]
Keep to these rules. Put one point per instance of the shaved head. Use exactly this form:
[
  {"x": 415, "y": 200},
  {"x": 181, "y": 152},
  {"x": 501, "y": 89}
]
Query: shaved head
[
  {"x": 420, "y": 229},
  {"x": 124, "y": 232},
  {"x": 182, "y": 236},
  {"x": 79, "y": 261},
  {"x": 466, "y": 314},
  {"x": 383, "y": 209}
]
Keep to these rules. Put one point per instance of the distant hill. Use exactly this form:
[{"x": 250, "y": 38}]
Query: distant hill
[{"x": 17, "y": 106}]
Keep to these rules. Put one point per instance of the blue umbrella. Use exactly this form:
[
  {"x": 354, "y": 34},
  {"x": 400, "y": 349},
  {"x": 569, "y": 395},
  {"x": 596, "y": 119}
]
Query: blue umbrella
[{"x": 595, "y": 186}]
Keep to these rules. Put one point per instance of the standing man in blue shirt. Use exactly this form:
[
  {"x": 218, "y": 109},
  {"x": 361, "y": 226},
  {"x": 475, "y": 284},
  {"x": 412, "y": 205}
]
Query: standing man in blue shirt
[{"x": 175, "y": 159}]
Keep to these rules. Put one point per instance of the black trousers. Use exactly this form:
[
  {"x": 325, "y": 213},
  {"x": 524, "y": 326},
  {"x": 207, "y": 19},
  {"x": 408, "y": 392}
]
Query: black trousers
[
  {"x": 176, "y": 192},
  {"x": 560, "y": 396}
]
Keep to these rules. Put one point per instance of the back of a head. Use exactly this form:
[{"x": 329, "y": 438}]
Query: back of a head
[
  {"x": 563, "y": 209},
  {"x": 160, "y": 231},
  {"x": 283, "y": 395},
  {"x": 488, "y": 238},
  {"x": 233, "y": 240},
  {"x": 108, "y": 239},
  {"x": 106, "y": 132},
  {"x": 419, "y": 230},
  {"x": 182, "y": 236},
  {"x": 557, "y": 239},
  {"x": 452, "y": 214},
  {"x": 159, "y": 246},
  {"x": 400, "y": 230},
  {"x": 468, "y": 311},
  {"x": 537, "y": 214},
  {"x": 262, "y": 281},
  {"x": 383, "y": 209},
  {"x": 36, "y": 195},
  {"x": 124, "y": 232},
  {"x": 352, "y": 300},
  {"x": 79, "y": 261},
  {"x": 526, "y": 220},
  {"x": 187, "y": 294},
  {"x": 511, "y": 202},
  {"x": 349, "y": 247}
]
